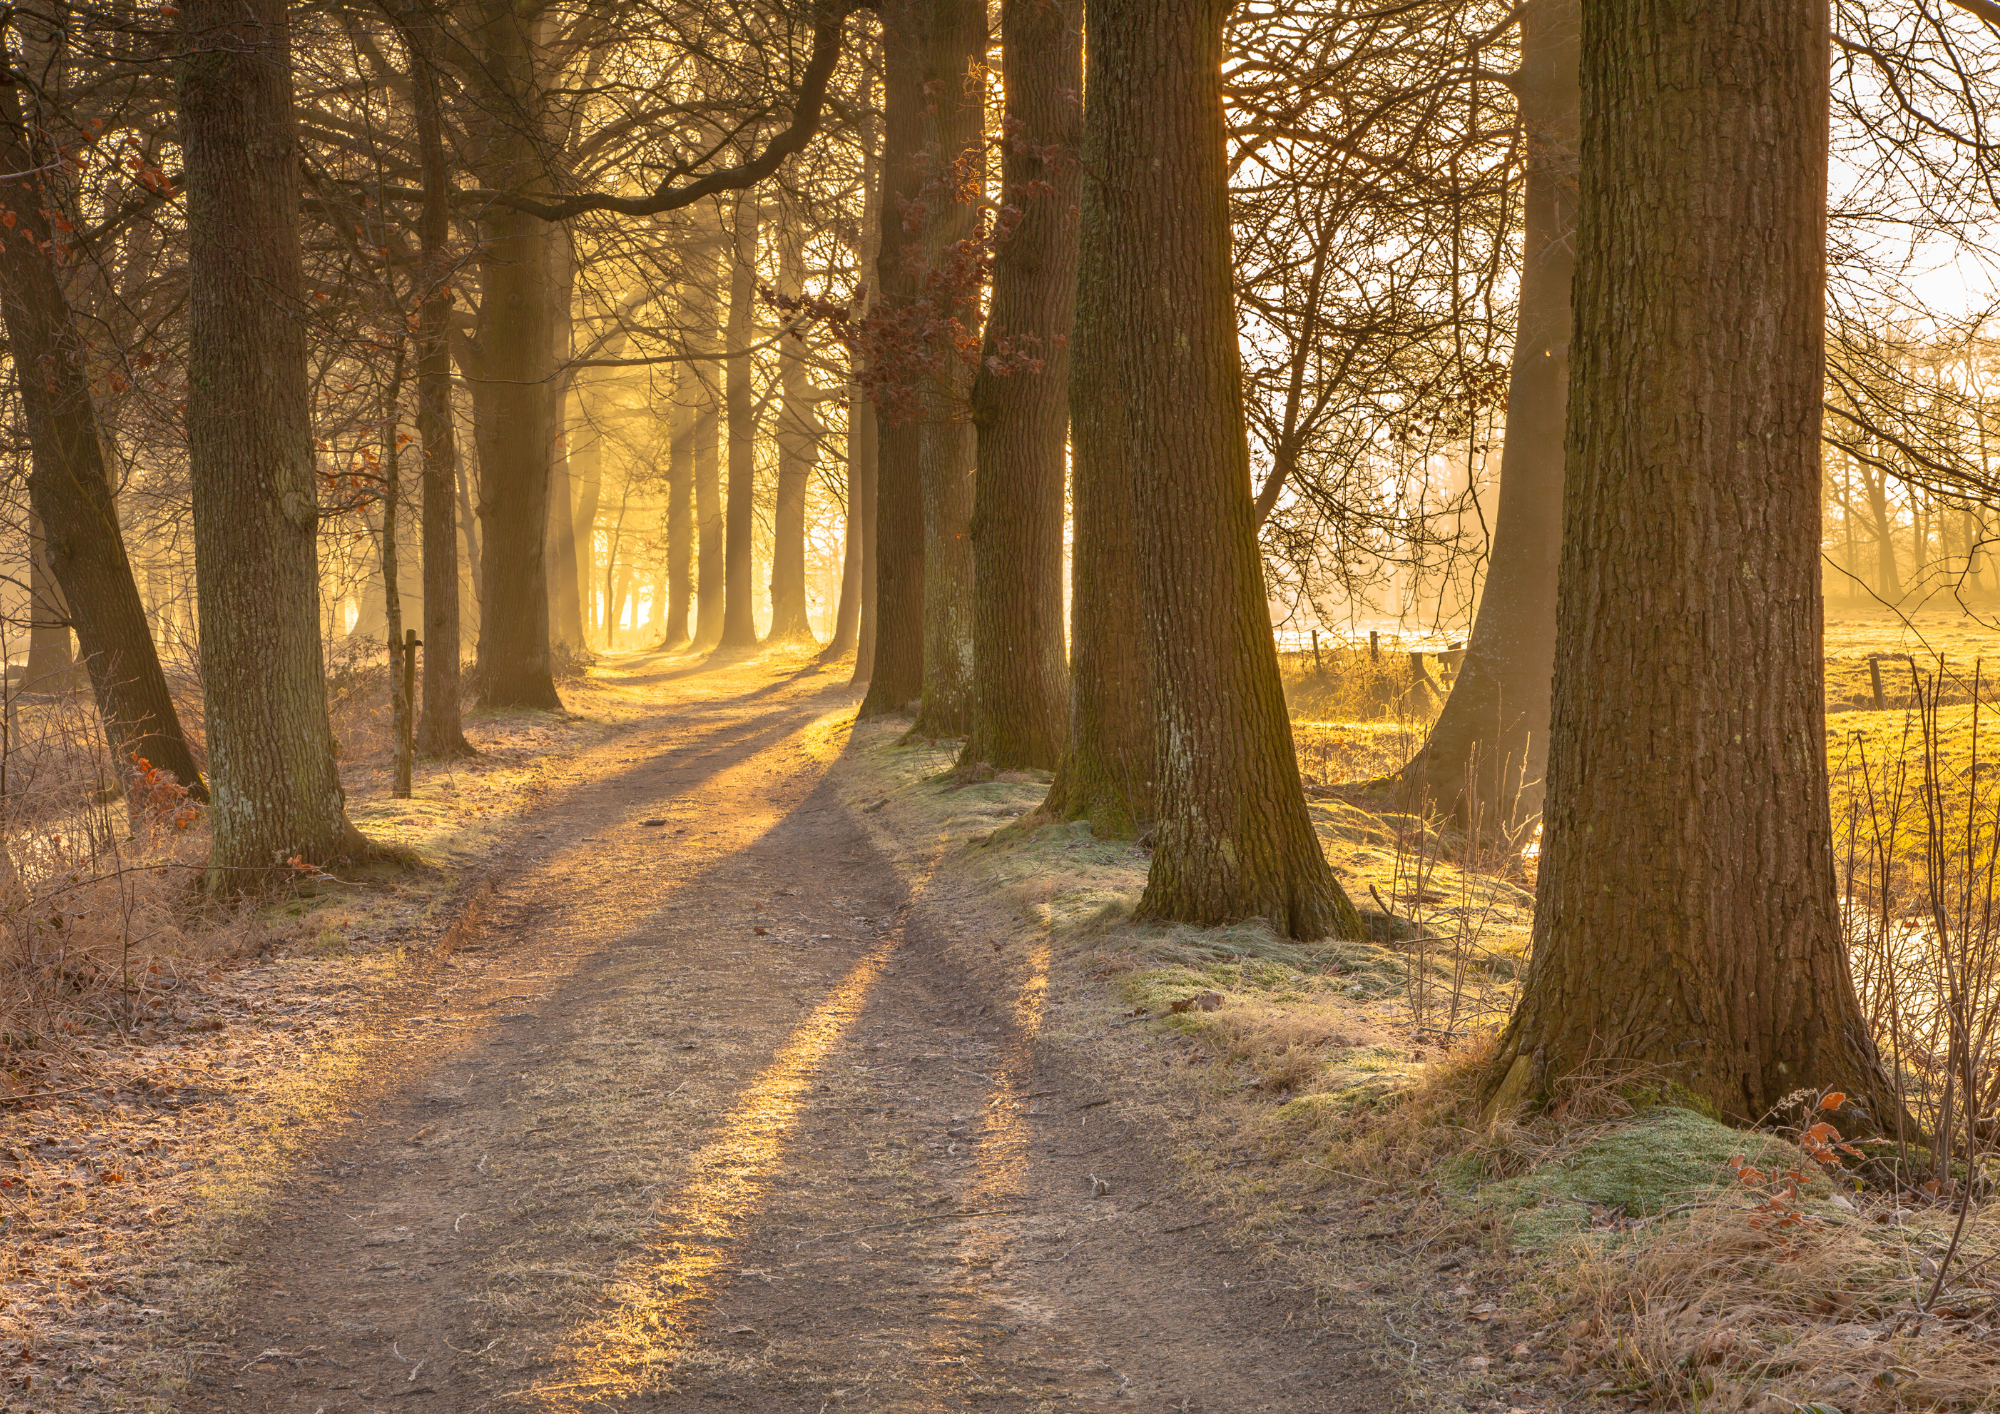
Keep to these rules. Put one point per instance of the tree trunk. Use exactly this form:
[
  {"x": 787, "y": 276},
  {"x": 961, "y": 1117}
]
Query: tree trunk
[
  {"x": 74, "y": 534},
  {"x": 1233, "y": 839},
  {"x": 1888, "y": 578},
  {"x": 680, "y": 510},
  {"x": 50, "y": 658},
  {"x": 1106, "y": 774},
  {"x": 1975, "y": 550},
  {"x": 568, "y": 564},
  {"x": 400, "y": 705},
  {"x": 464, "y": 484},
  {"x": 798, "y": 451},
  {"x": 516, "y": 337},
  {"x": 947, "y": 443},
  {"x": 702, "y": 341},
  {"x": 250, "y": 456},
  {"x": 1021, "y": 677},
  {"x": 1686, "y": 919},
  {"x": 857, "y": 570},
  {"x": 515, "y": 442},
  {"x": 739, "y": 619},
  {"x": 611, "y": 547},
  {"x": 854, "y": 626},
  {"x": 586, "y": 474},
  {"x": 1488, "y": 750},
  {"x": 894, "y": 670},
  {"x": 441, "y": 727}
]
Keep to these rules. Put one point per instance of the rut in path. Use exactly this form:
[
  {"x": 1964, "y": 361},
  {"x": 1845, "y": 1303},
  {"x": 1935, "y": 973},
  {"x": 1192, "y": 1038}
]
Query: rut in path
[{"x": 711, "y": 1122}]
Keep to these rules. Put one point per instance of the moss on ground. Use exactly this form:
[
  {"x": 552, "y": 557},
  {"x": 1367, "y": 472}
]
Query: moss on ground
[{"x": 1666, "y": 1159}]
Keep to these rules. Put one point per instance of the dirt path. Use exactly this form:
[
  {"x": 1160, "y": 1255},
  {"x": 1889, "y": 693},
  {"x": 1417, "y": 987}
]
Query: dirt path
[{"x": 705, "y": 1119}]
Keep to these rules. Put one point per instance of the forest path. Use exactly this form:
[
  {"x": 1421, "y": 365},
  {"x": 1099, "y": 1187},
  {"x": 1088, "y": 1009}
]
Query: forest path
[{"x": 702, "y": 1119}]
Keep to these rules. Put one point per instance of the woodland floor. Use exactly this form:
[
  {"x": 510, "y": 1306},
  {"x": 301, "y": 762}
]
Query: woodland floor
[
  {"x": 720, "y": 1094},
  {"x": 723, "y": 1054}
]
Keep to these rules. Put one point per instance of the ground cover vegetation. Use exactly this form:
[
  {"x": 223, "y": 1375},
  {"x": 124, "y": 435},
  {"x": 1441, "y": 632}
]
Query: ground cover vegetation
[{"x": 1437, "y": 556}]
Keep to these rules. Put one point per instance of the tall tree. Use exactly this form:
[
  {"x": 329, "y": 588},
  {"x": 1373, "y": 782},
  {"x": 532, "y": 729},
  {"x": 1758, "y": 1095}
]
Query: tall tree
[
  {"x": 1232, "y": 839},
  {"x": 516, "y": 338},
  {"x": 854, "y": 619},
  {"x": 1106, "y": 773},
  {"x": 798, "y": 450},
  {"x": 441, "y": 728},
  {"x": 1488, "y": 749},
  {"x": 75, "y": 518},
  {"x": 1021, "y": 398},
  {"x": 680, "y": 508},
  {"x": 1686, "y": 913},
  {"x": 703, "y": 336},
  {"x": 739, "y": 620},
  {"x": 894, "y": 670},
  {"x": 568, "y": 571},
  {"x": 947, "y": 443},
  {"x": 277, "y": 793}
]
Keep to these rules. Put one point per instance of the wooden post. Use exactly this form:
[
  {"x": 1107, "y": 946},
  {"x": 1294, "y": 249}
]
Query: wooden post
[
  {"x": 1875, "y": 679},
  {"x": 406, "y": 716},
  {"x": 1318, "y": 666},
  {"x": 1374, "y": 646}
]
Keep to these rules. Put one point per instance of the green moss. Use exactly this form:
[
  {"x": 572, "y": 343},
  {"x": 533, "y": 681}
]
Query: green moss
[{"x": 1665, "y": 1158}]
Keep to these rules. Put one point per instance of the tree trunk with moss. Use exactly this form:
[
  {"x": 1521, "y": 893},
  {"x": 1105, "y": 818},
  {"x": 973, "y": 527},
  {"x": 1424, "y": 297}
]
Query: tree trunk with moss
[
  {"x": 277, "y": 794},
  {"x": 1233, "y": 839},
  {"x": 1687, "y": 920}
]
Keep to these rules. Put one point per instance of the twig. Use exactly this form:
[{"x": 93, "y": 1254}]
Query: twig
[{"x": 1395, "y": 1334}]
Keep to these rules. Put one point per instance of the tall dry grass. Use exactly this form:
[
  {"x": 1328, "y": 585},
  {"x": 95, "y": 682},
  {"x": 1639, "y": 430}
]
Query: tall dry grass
[{"x": 100, "y": 923}]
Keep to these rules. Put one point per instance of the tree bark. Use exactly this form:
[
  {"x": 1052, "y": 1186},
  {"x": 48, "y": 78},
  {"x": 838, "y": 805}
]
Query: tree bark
[
  {"x": 568, "y": 565},
  {"x": 400, "y": 705},
  {"x": 1686, "y": 915},
  {"x": 51, "y": 661},
  {"x": 1488, "y": 749},
  {"x": 517, "y": 341},
  {"x": 1888, "y": 576},
  {"x": 680, "y": 511},
  {"x": 947, "y": 442},
  {"x": 798, "y": 452},
  {"x": 1021, "y": 677},
  {"x": 857, "y": 569},
  {"x": 1232, "y": 839},
  {"x": 277, "y": 794},
  {"x": 1106, "y": 774},
  {"x": 895, "y": 669},
  {"x": 739, "y": 618},
  {"x": 702, "y": 342},
  {"x": 441, "y": 725},
  {"x": 854, "y": 624},
  {"x": 74, "y": 536}
]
